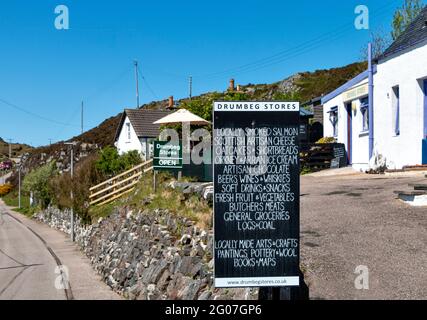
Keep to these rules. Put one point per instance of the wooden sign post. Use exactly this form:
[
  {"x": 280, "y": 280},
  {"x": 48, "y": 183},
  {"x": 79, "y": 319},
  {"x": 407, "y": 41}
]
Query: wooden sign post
[{"x": 256, "y": 195}]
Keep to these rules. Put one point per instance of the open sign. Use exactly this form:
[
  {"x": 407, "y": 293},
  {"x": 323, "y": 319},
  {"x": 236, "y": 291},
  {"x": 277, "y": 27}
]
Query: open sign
[{"x": 167, "y": 156}]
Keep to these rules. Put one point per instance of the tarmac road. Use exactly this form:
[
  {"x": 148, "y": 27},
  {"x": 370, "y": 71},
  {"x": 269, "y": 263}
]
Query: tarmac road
[
  {"x": 39, "y": 263},
  {"x": 356, "y": 220},
  {"x": 27, "y": 268}
]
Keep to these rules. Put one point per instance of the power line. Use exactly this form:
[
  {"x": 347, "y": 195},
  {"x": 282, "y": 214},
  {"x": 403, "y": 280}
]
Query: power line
[
  {"x": 281, "y": 56},
  {"x": 293, "y": 52},
  {"x": 308, "y": 47},
  {"x": 98, "y": 93},
  {"x": 34, "y": 114},
  {"x": 148, "y": 85},
  {"x": 110, "y": 84},
  {"x": 71, "y": 118}
]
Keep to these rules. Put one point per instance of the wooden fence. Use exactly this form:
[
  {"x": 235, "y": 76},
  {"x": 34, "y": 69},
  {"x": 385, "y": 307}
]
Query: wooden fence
[{"x": 119, "y": 185}]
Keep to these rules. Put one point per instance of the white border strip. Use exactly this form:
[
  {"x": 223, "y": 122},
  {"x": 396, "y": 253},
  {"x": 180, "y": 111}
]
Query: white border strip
[
  {"x": 242, "y": 106},
  {"x": 257, "y": 282}
]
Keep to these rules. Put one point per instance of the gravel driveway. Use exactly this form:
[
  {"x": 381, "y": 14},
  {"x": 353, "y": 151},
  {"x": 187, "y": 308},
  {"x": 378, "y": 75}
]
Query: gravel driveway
[{"x": 348, "y": 221}]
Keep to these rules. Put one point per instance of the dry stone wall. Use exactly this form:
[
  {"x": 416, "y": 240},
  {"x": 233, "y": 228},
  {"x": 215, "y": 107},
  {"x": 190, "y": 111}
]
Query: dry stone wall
[{"x": 149, "y": 254}]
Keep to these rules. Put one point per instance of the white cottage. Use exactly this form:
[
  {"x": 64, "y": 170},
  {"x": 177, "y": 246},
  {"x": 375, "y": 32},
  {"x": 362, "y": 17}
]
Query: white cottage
[
  {"x": 136, "y": 131},
  {"x": 399, "y": 109},
  {"x": 346, "y": 118}
]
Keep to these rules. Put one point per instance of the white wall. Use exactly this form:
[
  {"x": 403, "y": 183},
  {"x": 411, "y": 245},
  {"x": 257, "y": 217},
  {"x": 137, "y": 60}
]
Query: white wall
[
  {"x": 404, "y": 70},
  {"x": 360, "y": 139},
  {"x": 124, "y": 144},
  {"x": 145, "y": 150},
  {"x": 328, "y": 130}
]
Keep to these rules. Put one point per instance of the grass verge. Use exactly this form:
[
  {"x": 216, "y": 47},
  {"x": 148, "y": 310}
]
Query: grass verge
[
  {"x": 144, "y": 197},
  {"x": 12, "y": 200}
]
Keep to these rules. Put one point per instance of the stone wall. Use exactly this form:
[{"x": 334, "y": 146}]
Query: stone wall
[{"x": 149, "y": 255}]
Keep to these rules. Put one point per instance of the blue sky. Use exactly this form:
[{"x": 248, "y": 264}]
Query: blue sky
[{"x": 45, "y": 73}]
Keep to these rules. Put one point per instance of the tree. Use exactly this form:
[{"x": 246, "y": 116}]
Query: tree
[
  {"x": 405, "y": 15},
  {"x": 85, "y": 176},
  {"x": 37, "y": 181},
  {"x": 111, "y": 163},
  {"x": 380, "y": 42}
]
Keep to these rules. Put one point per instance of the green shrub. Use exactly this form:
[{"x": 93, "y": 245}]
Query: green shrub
[
  {"x": 85, "y": 176},
  {"x": 130, "y": 159},
  {"x": 37, "y": 181},
  {"x": 110, "y": 163},
  {"x": 325, "y": 140}
]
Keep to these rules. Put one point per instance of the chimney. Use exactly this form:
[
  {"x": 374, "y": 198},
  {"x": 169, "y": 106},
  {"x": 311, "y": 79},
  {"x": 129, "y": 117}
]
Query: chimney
[
  {"x": 170, "y": 102},
  {"x": 231, "y": 87}
]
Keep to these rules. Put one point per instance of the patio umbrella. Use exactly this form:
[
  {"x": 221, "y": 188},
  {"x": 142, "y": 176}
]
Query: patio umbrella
[{"x": 182, "y": 116}]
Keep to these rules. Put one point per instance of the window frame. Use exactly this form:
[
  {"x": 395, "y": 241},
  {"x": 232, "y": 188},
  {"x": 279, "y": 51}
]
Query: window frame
[
  {"x": 395, "y": 103},
  {"x": 364, "y": 110},
  {"x": 128, "y": 131},
  {"x": 334, "y": 111}
]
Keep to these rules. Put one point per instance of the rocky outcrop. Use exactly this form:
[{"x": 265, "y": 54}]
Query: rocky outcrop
[
  {"x": 149, "y": 254},
  {"x": 59, "y": 152},
  {"x": 202, "y": 190}
]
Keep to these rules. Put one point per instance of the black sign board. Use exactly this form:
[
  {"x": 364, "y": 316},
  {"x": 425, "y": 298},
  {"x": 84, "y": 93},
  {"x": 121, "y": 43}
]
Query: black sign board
[
  {"x": 303, "y": 132},
  {"x": 256, "y": 194},
  {"x": 340, "y": 156},
  {"x": 167, "y": 156}
]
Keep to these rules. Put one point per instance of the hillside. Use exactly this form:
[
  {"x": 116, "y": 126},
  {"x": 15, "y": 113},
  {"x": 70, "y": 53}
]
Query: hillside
[
  {"x": 300, "y": 87},
  {"x": 17, "y": 149}
]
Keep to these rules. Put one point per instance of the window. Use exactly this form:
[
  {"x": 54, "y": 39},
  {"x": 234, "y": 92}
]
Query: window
[
  {"x": 128, "y": 129},
  {"x": 424, "y": 86},
  {"x": 364, "y": 109},
  {"x": 333, "y": 117},
  {"x": 395, "y": 101}
]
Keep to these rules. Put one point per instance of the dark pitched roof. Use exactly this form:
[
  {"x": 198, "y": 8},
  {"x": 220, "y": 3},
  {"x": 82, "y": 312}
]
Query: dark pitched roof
[
  {"x": 413, "y": 35},
  {"x": 142, "y": 121},
  {"x": 305, "y": 113}
]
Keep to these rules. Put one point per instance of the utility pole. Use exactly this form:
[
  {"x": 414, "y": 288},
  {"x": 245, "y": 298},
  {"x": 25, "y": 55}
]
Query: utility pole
[
  {"x": 19, "y": 183},
  {"x": 10, "y": 149},
  {"x": 371, "y": 101},
  {"x": 81, "y": 117},
  {"x": 71, "y": 193},
  {"x": 135, "y": 62},
  {"x": 190, "y": 84}
]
